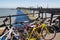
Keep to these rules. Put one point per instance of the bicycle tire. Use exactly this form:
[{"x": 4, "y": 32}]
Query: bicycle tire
[{"x": 52, "y": 30}]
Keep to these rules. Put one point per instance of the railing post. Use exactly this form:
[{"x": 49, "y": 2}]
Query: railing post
[
  {"x": 10, "y": 20},
  {"x": 39, "y": 14},
  {"x": 51, "y": 18}
]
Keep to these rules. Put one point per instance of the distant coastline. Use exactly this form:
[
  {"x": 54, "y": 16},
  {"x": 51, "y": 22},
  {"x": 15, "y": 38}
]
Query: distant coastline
[{"x": 9, "y": 8}]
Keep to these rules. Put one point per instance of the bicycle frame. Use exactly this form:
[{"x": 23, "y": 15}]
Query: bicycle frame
[
  {"x": 42, "y": 26},
  {"x": 9, "y": 33},
  {"x": 29, "y": 35}
]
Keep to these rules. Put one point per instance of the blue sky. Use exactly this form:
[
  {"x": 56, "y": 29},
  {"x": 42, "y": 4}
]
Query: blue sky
[{"x": 29, "y": 3}]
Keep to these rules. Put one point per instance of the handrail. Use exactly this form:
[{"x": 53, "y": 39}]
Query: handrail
[
  {"x": 21, "y": 15},
  {"x": 16, "y": 15}
]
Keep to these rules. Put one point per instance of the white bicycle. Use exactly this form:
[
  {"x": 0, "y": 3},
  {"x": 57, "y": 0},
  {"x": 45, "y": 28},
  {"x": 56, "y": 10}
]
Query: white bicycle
[{"x": 10, "y": 31}]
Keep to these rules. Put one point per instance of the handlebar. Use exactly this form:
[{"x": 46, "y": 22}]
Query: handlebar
[{"x": 6, "y": 19}]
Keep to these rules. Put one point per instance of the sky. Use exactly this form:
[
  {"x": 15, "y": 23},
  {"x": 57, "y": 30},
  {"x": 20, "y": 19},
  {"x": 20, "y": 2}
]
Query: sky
[{"x": 29, "y": 3}]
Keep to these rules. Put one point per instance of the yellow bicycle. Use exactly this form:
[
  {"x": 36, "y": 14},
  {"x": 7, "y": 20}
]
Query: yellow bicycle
[{"x": 47, "y": 33}]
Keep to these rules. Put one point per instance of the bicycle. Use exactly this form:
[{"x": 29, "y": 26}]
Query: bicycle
[
  {"x": 42, "y": 32},
  {"x": 10, "y": 31}
]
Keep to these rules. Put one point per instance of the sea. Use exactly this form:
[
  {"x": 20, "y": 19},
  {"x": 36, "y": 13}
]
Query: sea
[
  {"x": 7, "y": 12},
  {"x": 12, "y": 11}
]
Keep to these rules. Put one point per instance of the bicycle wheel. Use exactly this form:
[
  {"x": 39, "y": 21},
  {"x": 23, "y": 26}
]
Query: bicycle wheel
[{"x": 51, "y": 35}]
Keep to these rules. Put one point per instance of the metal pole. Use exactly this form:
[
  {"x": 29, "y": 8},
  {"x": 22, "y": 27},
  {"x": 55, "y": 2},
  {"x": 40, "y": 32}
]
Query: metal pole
[
  {"x": 51, "y": 18},
  {"x": 42, "y": 15},
  {"x": 39, "y": 14},
  {"x": 10, "y": 20}
]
